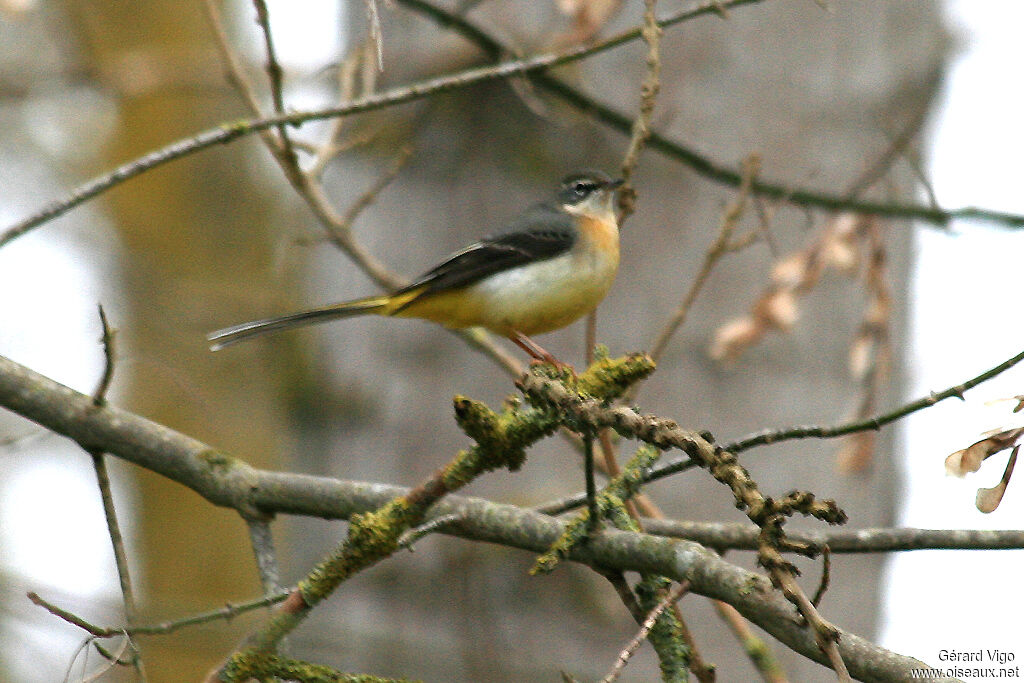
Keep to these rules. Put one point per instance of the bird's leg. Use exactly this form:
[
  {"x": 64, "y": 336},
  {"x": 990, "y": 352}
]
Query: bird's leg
[{"x": 536, "y": 352}]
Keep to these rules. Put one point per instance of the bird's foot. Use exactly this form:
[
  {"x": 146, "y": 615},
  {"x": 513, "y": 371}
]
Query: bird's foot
[{"x": 539, "y": 356}]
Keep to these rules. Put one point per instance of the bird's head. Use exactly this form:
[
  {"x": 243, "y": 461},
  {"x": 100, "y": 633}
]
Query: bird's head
[{"x": 588, "y": 193}]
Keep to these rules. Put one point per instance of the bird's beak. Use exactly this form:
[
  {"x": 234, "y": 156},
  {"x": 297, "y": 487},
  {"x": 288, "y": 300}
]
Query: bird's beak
[{"x": 615, "y": 184}]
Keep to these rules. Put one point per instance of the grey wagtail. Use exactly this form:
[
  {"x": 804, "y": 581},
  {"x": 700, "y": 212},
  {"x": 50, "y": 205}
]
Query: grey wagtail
[{"x": 549, "y": 267}]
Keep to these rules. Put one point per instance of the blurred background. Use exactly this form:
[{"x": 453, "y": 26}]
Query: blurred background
[{"x": 821, "y": 95}]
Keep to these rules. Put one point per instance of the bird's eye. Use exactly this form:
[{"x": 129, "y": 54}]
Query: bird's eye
[{"x": 582, "y": 188}]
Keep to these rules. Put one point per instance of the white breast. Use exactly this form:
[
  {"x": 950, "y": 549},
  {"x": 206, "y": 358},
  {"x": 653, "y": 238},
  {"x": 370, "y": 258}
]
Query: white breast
[{"x": 549, "y": 294}]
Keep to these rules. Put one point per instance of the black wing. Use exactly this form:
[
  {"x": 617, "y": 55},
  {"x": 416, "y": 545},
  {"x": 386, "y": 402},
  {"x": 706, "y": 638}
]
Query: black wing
[{"x": 541, "y": 233}]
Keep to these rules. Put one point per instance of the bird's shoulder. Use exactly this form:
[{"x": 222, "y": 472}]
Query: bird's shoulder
[{"x": 543, "y": 229}]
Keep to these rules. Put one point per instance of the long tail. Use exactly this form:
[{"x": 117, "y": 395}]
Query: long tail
[{"x": 381, "y": 305}]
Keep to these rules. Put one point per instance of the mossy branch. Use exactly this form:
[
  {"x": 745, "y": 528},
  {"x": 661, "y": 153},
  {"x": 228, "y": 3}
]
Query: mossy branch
[
  {"x": 501, "y": 439},
  {"x": 269, "y": 665},
  {"x": 610, "y": 504},
  {"x": 666, "y": 633},
  {"x": 585, "y": 414},
  {"x": 230, "y": 482}
]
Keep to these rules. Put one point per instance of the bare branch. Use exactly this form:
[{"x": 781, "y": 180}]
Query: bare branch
[
  {"x": 226, "y": 613},
  {"x": 690, "y": 157},
  {"x": 376, "y": 35},
  {"x": 73, "y": 619},
  {"x": 236, "y": 72},
  {"x": 114, "y": 531},
  {"x": 756, "y": 649},
  {"x": 825, "y": 634},
  {"x": 772, "y": 436},
  {"x": 99, "y": 396},
  {"x": 722, "y": 245},
  {"x": 230, "y": 132},
  {"x": 275, "y": 75},
  {"x": 99, "y": 463},
  {"x": 732, "y": 536},
  {"x": 641, "y": 129},
  {"x": 266, "y": 556}
]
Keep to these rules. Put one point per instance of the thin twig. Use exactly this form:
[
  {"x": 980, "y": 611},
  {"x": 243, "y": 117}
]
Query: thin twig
[
  {"x": 594, "y": 518},
  {"x": 99, "y": 396},
  {"x": 275, "y": 76},
  {"x": 376, "y": 35},
  {"x": 640, "y": 131},
  {"x": 773, "y": 436},
  {"x": 113, "y": 659},
  {"x": 897, "y": 147},
  {"x": 825, "y": 633},
  {"x": 722, "y": 245},
  {"x": 227, "y": 612},
  {"x": 871, "y": 349},
  {"x": 339, "y": 232},
  {"x": 640, "y": 502},
  {"x": 826, "y": 575},
  {"x": 625, "y": 593},
  {"x": 726, "y": 536},
  {"x": 430, "y": 526},
  {"x": 74, "y": 619},
  {"x": 926, "y": 182},
  {"x": 114, "y": 531},
  {"x": 237, "y": 74},
  {"x": 99, "y": 463},
  {"x": 876, "y": 422},
  {"x": 723, "y": 536},
  {"x": 757, "y": 650},
  {"x": 645, "y": 628},
  {"x": 280, "y": 147},
  {"x": 347, "y": 76}
]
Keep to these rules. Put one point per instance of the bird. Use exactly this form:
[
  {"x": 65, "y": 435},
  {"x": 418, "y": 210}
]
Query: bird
[{"x": 547, "y": 268}]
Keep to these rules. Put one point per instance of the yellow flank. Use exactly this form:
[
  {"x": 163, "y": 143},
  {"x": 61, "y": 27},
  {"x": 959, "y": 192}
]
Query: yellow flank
[{"x": 455, "y": 308}]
